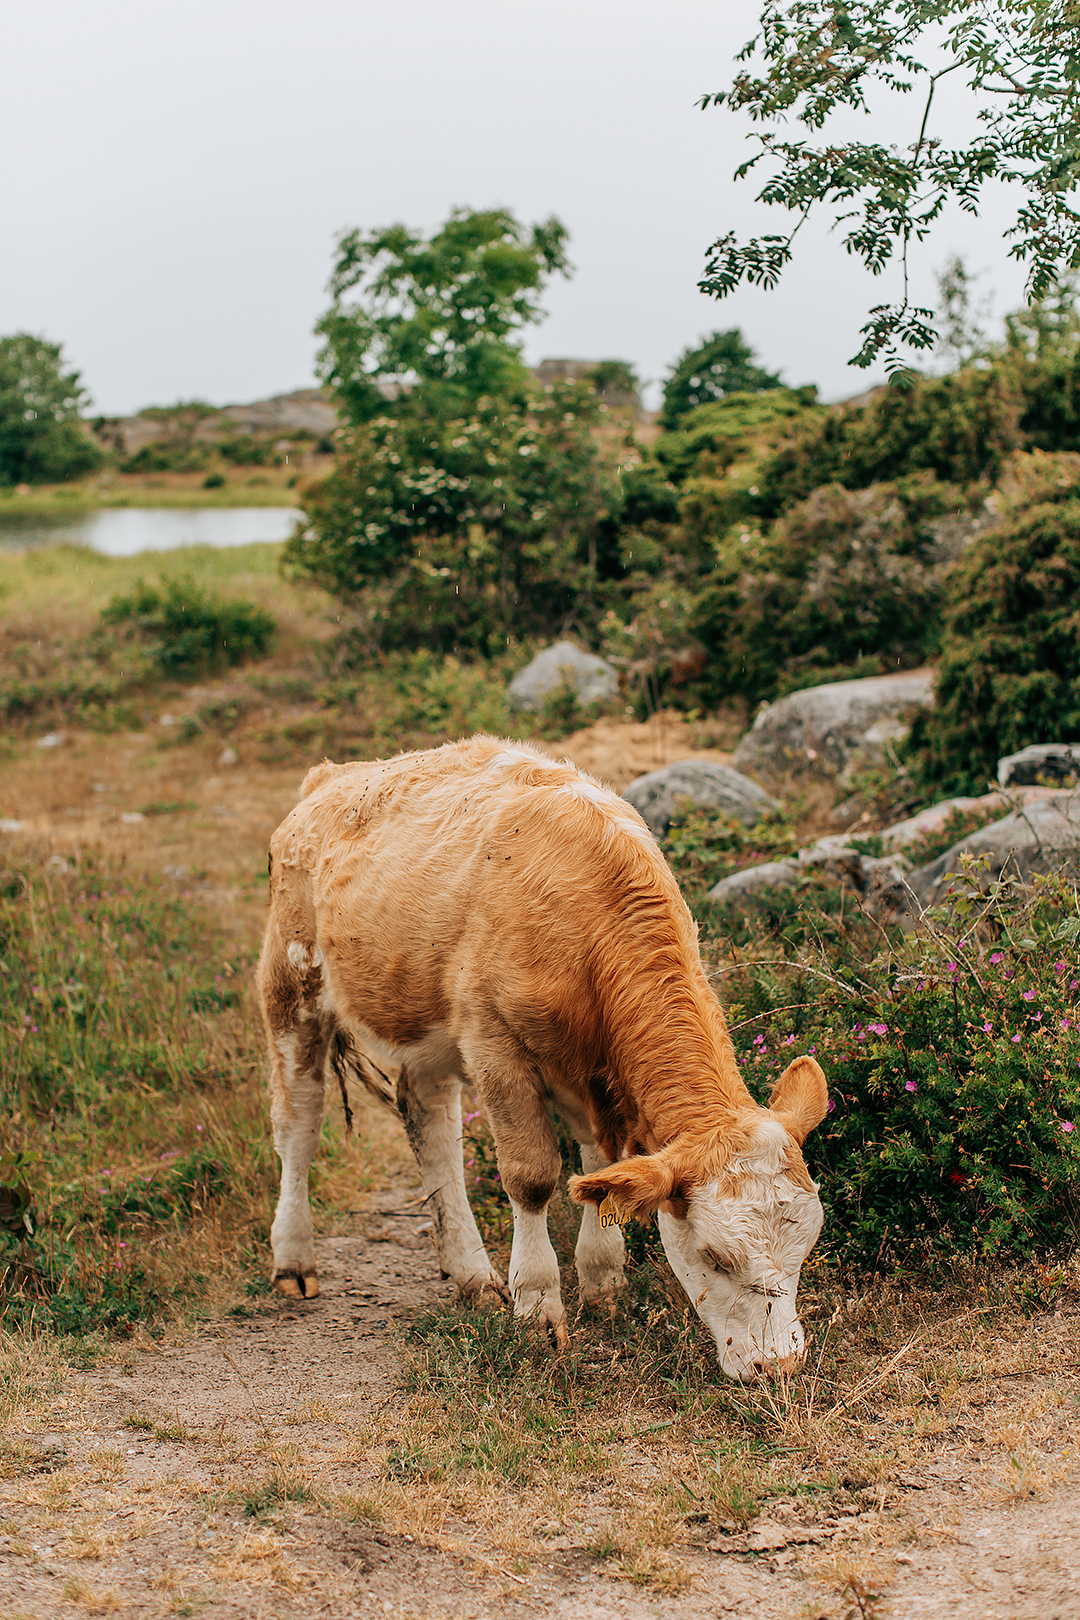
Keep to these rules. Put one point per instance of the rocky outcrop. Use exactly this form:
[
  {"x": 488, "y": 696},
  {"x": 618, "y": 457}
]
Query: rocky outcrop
[
  {"x": 828, "y": 731},
  {"x": 1042, "y": 836},
  {"x": 1054, "y": 762},
  {"x": 706, "y": 784},
  {"x": 878, "y": 881},
  {"x": 592, "y": 679}
]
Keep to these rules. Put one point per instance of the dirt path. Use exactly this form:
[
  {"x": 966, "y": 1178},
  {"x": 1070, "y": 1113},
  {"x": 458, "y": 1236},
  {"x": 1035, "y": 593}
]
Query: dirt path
[{"x": 230, "y": 1472}]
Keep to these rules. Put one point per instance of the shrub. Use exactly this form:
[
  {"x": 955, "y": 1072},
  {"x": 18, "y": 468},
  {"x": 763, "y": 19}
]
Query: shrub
[
  {"x": 721, "y": 365},
  {"x": 1010, "y": 669},
  {"x": 161, "y": 456},
  {"x": 953, "y": 1070},
  {"x": 246, "y": 451},
  {"x": 844, "y": 576},
  {"x": 42, "y": 439},
  {"x": 958, "y": 428},
  {"x": 460, "y": 532},
  {"x": 185, "y": 630}
]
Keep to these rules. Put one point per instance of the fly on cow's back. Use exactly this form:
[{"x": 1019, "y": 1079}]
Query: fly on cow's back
[{"x": 482, "y": 912}]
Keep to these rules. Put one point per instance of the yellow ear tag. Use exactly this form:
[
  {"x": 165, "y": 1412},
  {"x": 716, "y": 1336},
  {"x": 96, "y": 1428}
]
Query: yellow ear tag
[{"x": 608, "y": 1212}]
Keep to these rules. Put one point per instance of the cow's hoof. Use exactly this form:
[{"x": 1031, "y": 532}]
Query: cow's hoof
[
  {"x": 604, "y": 1296},
  {"x": 487, "y": 1293},
  {"x": 296, "y": 1284}
]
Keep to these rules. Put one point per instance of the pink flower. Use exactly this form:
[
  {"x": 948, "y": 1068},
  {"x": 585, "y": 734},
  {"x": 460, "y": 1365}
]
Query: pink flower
[
  {"x": 1027, "y": 995},
  {"x": 911, "y": 1085},
  {"x": 998, "y": 956},
  {"x": 759, "y": 1040},
  {"x": 1059, "y": 967},
  {"x": 1016, "y": 1040},
  {"x": 1067, "y": 1126},
  {"x": 1066, "y": 1023},
  {"x": 879, "y": 1029},
  {"x": 832, "y": 1106},
  {"x": 952, "y": 967},
  {"x": 789, "y": 1040},
  {"x": 988, "y": 1027}
]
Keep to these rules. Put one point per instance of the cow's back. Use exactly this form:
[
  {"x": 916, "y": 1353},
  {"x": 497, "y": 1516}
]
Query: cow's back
[{"x": 481, "y": 875}]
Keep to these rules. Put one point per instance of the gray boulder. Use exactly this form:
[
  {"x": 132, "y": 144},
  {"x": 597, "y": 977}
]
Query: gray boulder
[
  {"x": 709, "y": 786},
  {"x": 1060, "y": 762},
  {"x": 827, "y": 731},
  {"x": 880, "y": 882},
  {"x": 593, "y": 679},
  {"x": 1041, "y": 837}
]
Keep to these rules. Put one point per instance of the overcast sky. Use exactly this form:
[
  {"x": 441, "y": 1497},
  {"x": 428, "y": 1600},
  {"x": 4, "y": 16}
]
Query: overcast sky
[{"x": 173, "y": 178}]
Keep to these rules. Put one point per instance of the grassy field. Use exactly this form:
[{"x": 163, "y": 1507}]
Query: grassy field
[{"x": 274, "y": 487}]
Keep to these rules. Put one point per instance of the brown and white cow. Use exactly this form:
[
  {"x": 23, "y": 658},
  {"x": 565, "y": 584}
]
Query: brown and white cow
[{"x": 479, "y": 911}]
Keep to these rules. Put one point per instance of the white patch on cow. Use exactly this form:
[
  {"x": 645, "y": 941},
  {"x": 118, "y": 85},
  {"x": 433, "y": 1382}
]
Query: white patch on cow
[
  {"x": 534, "y": 1269},
  {"x": 636, "y": 829},
  {"x": 297, "y": 952},
  {"x": 508, "y": 757},
  {"x": 739, "y": 1256},
  {"x": 589, "y": 793},
  {"x": 297, "y": 1113},
  {"x": 600, "y": 1251}
]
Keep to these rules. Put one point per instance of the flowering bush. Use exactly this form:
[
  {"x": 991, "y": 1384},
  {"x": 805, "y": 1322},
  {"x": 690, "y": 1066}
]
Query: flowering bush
[{"x": 953, "y": 1065}]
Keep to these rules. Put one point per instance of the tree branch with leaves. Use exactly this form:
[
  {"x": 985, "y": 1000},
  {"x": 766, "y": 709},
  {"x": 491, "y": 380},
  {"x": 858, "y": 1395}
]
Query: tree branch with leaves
[{"x": 817, "y": 58}]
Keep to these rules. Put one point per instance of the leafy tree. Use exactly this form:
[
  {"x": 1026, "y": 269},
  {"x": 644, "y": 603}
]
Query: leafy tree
[
  {"x": 816, "y": 58},
  {"x": 455, "y": 532},
  {"x": 41, "y": 435},
  {"x": 722, "y": 364},
  {"x": 436, "y": 316},
  {"x": 962, "y": 336}
]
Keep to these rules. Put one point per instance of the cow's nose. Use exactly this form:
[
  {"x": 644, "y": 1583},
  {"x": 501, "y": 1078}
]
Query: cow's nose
[{"x": 778, "y": 1366}]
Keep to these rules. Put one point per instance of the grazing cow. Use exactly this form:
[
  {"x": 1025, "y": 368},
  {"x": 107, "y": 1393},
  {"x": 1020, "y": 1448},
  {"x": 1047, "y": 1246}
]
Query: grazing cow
[{"x": 479, "y": 911}]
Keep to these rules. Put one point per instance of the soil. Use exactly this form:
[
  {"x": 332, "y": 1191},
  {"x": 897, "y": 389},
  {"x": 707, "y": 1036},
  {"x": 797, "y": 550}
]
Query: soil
[{"x": 164, "y": 1480}]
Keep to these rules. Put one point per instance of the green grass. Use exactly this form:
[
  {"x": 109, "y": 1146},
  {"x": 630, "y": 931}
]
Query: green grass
[
  {"x": 135, "y": 1157},
  {"x": 76, "y": 578},
  {"x": 75, "y": 499}
]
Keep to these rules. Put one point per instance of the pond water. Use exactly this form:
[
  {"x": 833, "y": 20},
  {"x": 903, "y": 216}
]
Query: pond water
[{"x": 124, "y": 531}]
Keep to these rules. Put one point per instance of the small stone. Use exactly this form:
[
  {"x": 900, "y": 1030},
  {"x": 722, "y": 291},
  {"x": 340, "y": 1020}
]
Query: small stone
[
  {"x": 132, "y": 816},
  {"x": 228, "y": 756},
  {"x": 592, "y": 679},
  {"x": 52, "y": 739},
  {"x": 9, "y": 826}
]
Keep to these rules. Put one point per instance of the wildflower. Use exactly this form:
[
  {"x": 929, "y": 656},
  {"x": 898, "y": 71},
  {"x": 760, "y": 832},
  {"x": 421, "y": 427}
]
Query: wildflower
[
  {"x": 759, "y": 1040},
  {"x": 1059, "y": 967},
  {"x": 1036, "y": 1018},
  {"x": 1027, "y": 995},
  {"x": 988, "y": 1028},
  {"x": 952, "y": 967},
  {"x": 1066, "y": 1023},
  {"x": 1067, "y": 1126},
  {"x": 1015, "y": 1040},
  {"x": 813, "y": 1049},
  {"x": 1073, "y": 984},
  {"x": 789, "y": 1040},
  {"x": 832, "y": 1106},
  {"x": 878, "y": 1029},
  {"x": 911, "y": 1085},
  {"x": 996, "y": 957}
]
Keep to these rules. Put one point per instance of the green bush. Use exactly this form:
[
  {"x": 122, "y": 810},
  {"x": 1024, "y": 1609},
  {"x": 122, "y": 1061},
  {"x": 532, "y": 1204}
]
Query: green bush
[
  {"x": 42, "y": 439},
  {"x": 1010, "y": 668},
  {"x": 184, "y": 630},
  {"x": 953, "y": 1066},
  {"x": 246, "y": 451},
  {"x": 447, "y": 533},
  {"x": 165, "y": 456},
  {"x": 844, "y": 578},
  {"x": 721, "y": 365}
]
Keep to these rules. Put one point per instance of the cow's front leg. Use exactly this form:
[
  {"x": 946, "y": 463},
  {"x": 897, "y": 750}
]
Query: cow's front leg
[
  {"x": 297, "y": 1112},
  {"x": 600, "y": 1253},
  {"x": 534, "y": 1271},
  {"x": 431, "y": 1110}
]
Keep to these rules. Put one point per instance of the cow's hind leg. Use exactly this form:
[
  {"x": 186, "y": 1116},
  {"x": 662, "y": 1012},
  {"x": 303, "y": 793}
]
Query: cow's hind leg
[
  {"x": 299, "y": 1038},
  {"x": 600, "y": 1252},
  {"x": 431, "y": 1109}
]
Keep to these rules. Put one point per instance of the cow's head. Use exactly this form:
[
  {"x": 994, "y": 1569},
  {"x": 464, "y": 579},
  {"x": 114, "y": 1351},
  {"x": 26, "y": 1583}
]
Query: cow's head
[{"x": 736, "y": 1236}]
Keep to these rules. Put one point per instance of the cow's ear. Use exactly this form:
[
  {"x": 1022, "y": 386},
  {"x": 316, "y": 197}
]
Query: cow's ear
[
  {"x": 637, "y": 1186},
  {"x": 800, "y": 1098}
]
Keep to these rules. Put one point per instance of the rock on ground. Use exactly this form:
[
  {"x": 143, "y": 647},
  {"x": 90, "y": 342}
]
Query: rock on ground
[
  {"x": 1042, "y": 836},
  {"x": 657, "y": 795},
  {"x": 593, "y": 679},
  {"x": 826, "y": 731},
  {"x": 1060, "y": 762}
]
